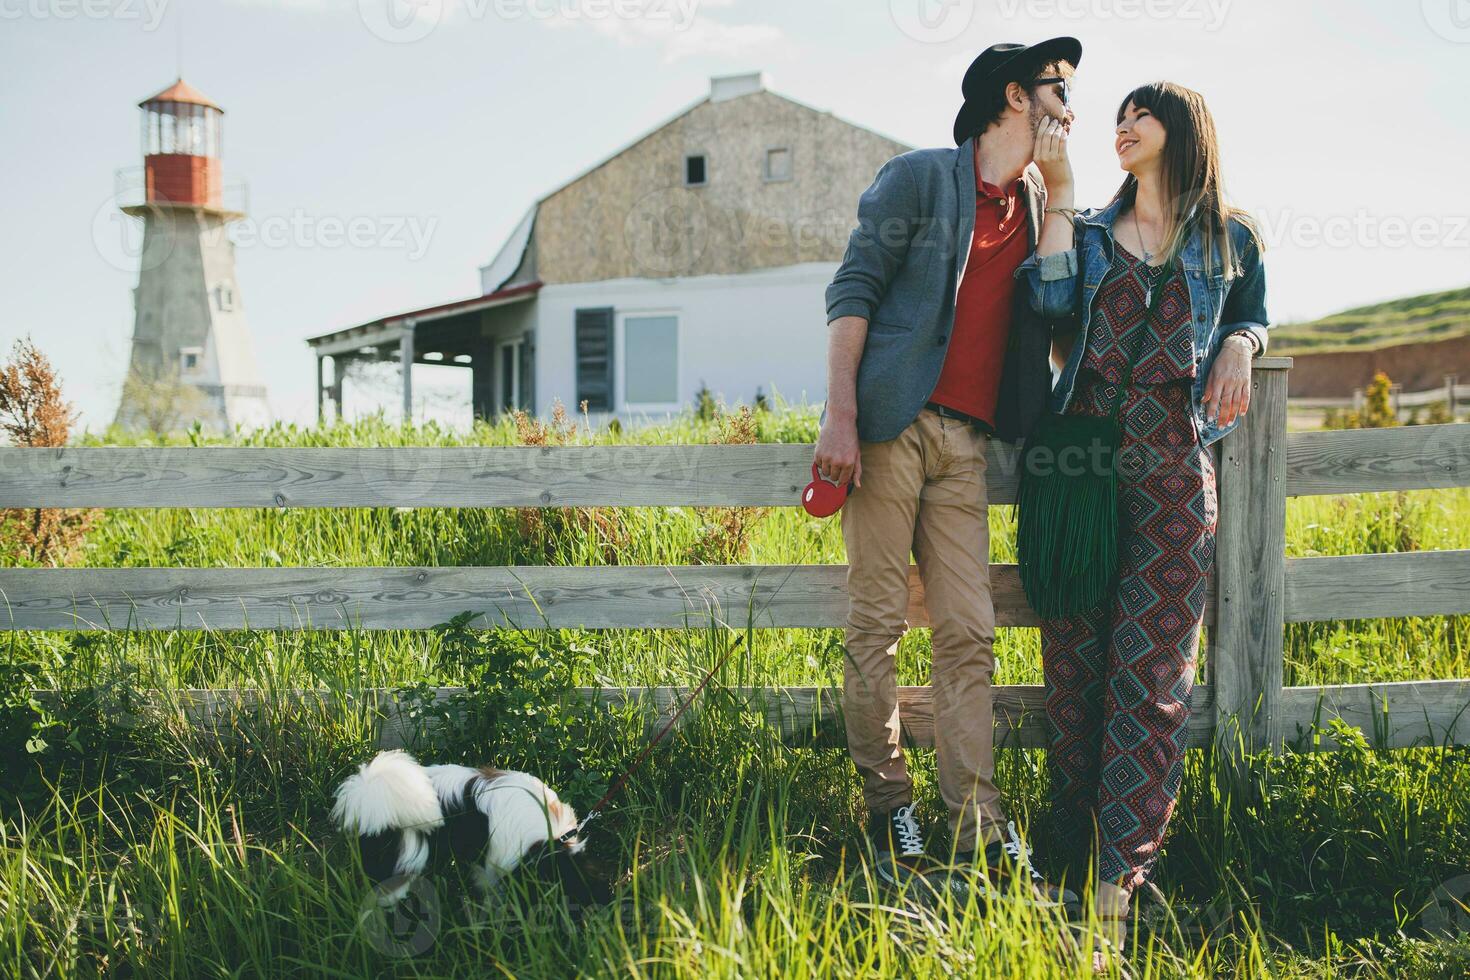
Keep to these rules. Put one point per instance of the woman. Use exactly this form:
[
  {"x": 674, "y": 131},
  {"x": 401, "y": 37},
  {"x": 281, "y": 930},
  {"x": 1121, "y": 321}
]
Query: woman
[{"x": 1168, "y": 287}]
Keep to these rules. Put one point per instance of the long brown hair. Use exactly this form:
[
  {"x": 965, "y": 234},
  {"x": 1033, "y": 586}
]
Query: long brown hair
[{"x": 1191, "y": 174}]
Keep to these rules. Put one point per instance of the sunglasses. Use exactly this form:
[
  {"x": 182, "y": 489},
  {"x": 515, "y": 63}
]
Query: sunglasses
[{"x": 1066, "y": 91}]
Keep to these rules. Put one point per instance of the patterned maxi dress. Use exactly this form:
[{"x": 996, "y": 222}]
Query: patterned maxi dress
[{"x": 1118, "y": 677}]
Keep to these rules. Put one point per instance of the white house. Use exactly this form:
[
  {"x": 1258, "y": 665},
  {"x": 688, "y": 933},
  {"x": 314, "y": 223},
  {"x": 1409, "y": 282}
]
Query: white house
[{"x": 695, "y": 257}]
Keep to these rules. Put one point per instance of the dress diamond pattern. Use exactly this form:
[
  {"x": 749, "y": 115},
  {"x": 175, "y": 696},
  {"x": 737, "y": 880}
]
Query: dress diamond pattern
[{"x": 1119, "y": 676}]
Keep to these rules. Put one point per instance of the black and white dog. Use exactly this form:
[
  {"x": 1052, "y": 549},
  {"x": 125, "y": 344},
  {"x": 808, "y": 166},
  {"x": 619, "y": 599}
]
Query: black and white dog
[{"x": 409, "y": 817}]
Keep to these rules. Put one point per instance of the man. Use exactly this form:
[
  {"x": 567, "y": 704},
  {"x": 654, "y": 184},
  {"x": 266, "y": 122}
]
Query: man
[{"x": 929, "y": 357}]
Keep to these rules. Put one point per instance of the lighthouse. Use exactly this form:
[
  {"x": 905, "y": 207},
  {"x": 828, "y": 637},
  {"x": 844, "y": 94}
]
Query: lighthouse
[{"x": 192, "y": 356}]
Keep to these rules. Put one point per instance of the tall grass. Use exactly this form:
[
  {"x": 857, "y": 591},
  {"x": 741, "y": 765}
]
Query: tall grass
[{"x": 134, "y": 843}]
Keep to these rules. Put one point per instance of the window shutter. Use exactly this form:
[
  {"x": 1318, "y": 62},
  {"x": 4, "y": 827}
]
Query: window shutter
[{"x": 594, "y": 337}]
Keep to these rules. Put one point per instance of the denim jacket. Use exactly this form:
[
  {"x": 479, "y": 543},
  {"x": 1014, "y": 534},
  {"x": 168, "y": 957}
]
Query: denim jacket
[
  {"x": 1219, "y": 306},
  {"x": 902, "y": 271}
]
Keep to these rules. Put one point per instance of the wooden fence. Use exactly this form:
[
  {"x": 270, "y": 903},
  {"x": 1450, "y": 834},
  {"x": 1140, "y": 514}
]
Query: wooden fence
[{"x": 1256, "y": 589}]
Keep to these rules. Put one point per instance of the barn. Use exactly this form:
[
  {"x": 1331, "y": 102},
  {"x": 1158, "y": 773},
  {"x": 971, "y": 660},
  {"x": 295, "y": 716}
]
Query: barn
[{"x": 695, "y": 258}]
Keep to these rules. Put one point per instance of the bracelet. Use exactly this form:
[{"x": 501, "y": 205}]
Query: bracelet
[
  {"x": 1071, "y": 213},
  {"x": 1250, "y": 339}
]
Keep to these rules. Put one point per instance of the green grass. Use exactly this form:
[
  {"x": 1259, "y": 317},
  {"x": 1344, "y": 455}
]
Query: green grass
[
  {"x": 1411, "y": 319},
  {"x": 135, "y": 844}
]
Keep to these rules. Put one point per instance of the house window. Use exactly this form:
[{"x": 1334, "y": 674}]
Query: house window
[
  {"x": 778, "y": 163},
  {"x": 594, "y": 352},
  {"x": 224, "y": 297},
  {"x": 190, "y": 358},
  {"x": 694, "y": 171},
  {"x": 651, "y": 360}
]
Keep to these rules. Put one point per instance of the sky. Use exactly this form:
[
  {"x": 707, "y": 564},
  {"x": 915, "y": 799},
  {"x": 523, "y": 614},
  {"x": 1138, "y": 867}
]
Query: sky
[{"x": 390, "y": 146}]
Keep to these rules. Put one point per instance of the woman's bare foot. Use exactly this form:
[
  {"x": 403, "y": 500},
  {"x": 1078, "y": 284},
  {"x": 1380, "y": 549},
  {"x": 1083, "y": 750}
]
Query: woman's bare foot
[{"x": 1111, "y": 904}]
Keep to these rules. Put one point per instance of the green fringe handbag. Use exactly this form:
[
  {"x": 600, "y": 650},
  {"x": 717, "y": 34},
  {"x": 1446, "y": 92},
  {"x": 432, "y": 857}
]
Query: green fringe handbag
[{"x": 1067, "y": 503}]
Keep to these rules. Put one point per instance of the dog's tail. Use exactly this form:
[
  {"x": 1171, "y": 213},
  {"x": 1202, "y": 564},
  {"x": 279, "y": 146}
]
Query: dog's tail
[
  {"x": 392, "y": 792},
  {"x": 391, "y": 805}
]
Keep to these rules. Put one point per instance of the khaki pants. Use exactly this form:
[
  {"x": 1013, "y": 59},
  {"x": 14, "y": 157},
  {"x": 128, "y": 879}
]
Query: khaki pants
[{"x": 925, "y": 491}]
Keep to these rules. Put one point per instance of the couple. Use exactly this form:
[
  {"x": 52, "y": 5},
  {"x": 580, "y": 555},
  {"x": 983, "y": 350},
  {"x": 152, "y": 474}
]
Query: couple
[{"x": 969, "y": 272}]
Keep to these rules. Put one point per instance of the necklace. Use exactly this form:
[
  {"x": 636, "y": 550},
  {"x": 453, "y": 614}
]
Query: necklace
[{"x": 1148, "y": 260}]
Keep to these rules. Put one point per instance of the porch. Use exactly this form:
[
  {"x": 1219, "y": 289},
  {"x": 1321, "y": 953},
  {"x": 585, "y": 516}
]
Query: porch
[{"x": 493, "y": 336}]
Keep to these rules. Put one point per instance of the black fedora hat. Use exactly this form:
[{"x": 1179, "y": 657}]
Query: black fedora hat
[{"x": 995, "y": 66}]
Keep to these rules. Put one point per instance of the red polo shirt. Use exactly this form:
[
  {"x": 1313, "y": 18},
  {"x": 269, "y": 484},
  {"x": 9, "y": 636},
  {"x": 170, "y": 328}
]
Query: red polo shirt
[{"x": 969, "y": 381}]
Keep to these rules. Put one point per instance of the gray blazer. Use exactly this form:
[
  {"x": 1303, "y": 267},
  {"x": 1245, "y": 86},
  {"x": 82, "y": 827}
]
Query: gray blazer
[{"x": 902, "y": 271}]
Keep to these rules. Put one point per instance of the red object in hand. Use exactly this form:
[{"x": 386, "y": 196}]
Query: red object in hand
[{"x": 822, "y": 497}]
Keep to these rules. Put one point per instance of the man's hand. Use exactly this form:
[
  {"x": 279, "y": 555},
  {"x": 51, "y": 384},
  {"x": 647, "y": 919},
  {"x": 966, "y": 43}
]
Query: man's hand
[
  {"x": 1229, "y": 386},
  {"x": 1050, "y": 153},
  {"x": 837, "y": 455}
]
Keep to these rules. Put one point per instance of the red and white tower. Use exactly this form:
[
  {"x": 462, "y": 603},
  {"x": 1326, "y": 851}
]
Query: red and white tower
[{"x": 190, "y": 336}]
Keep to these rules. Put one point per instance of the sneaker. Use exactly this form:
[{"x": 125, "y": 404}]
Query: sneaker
[
  {"x": 898, "y": 845},
  {"x": 1011, "y": 858}
]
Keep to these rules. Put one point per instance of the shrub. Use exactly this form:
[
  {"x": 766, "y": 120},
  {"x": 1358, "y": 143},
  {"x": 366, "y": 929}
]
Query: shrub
[
  {"x": 1378, "y": 410},
  {"x": 34, "y": 414},
  {"x": 724, "y": 533},
  {"x": 552, "y": 531}
]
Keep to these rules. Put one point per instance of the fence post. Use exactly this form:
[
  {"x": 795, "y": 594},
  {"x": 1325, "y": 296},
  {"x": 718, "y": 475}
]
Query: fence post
[{"x": 1248, "y": 645}]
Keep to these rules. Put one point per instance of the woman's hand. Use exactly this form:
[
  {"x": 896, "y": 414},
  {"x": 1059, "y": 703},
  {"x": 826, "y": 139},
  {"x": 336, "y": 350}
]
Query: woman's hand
[
  {"x": 1050, "y": 153},
  {"x": 1228, "y": 389}
]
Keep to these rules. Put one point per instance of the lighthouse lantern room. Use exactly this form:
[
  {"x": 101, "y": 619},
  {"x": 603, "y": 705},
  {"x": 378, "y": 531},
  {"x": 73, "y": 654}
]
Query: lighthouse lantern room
[{"x": 182, "y": 132}]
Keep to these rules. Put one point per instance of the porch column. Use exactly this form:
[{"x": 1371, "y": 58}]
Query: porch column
[
  {"x": 320, "y": 409},
  {"x": 405, "y": 360}
]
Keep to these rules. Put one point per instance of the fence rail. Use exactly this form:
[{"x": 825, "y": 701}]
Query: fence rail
[{"x": 1255, "y": 590}]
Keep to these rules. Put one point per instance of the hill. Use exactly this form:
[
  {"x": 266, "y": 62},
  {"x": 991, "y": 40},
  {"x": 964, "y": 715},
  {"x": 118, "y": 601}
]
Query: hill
[{"x": 1412, "y": 319}]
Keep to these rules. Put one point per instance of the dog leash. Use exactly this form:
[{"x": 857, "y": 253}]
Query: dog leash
[{"x": 596, "y": 811}]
